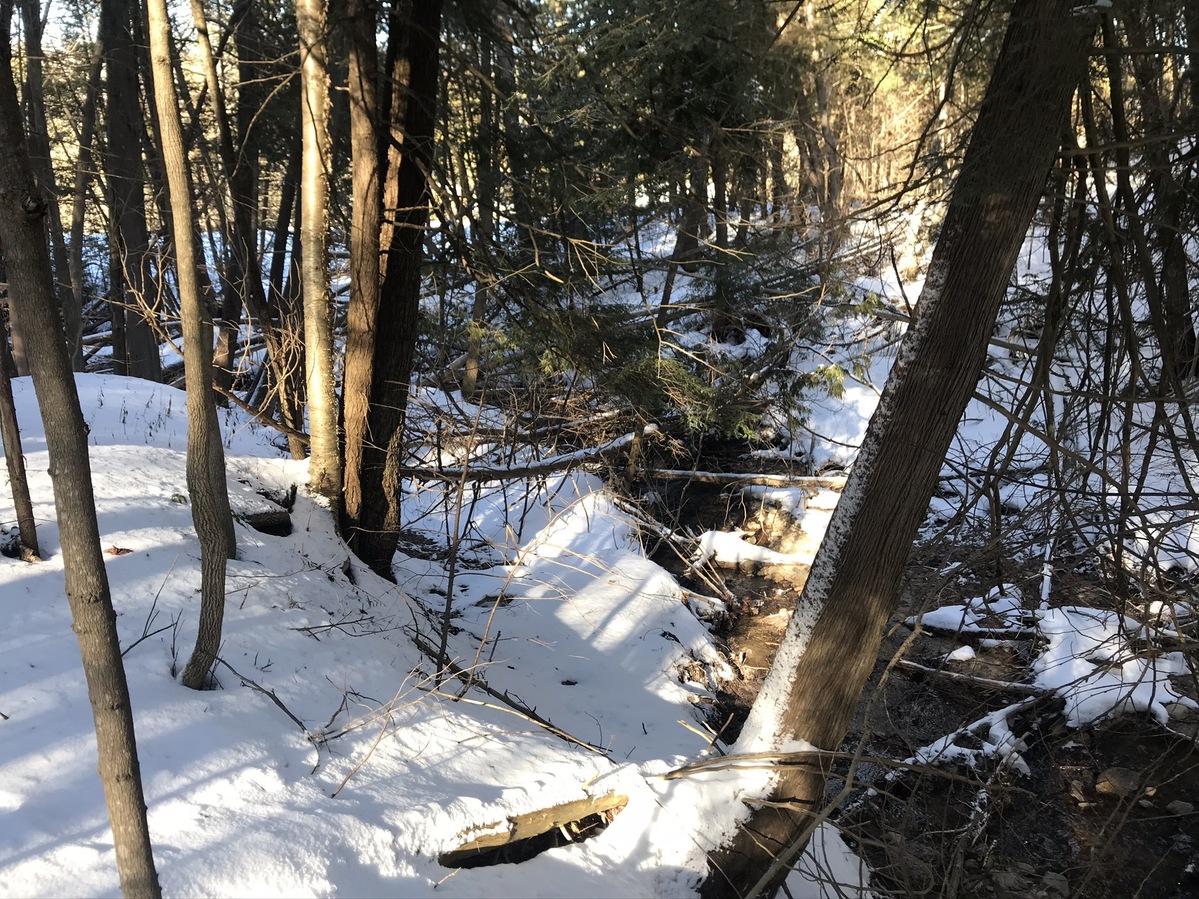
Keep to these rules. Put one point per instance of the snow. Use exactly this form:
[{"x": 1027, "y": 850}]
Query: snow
[
  {"x": 559, "y": 610},
  {"x": 556, "y": 612},
  {"x": 1091, "y": 662},
  {"x": 727, "y": 548},
  {"x": 1099, "y": 663}
]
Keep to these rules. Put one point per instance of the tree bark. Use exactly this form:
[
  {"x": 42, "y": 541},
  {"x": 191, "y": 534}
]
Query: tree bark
[
  {"x": 324, "y": 463},
  {"x": 365, "y": 217},
  {"x": 205, "y": 453},
  {"x": 84, "y": 168},
  {"x": 830, "y": 645},
  {"x": 244, "y": 269},
  {"x": 10, "y": 435},
  {"x": 234, "y": 283},
  {"x": 22, "y": 232},
  {"x": 413, "y": 56},
  {"x": 131, "y": 295},
  {"x": 385, "y": 284},
  {"x": 38, "y": 133},
  {"x": 487, "y": 181},
  {"x": 1167, "y": 293}
]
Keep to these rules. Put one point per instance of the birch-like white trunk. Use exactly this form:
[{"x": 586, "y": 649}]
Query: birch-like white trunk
[{"x": 324, "y": 465}]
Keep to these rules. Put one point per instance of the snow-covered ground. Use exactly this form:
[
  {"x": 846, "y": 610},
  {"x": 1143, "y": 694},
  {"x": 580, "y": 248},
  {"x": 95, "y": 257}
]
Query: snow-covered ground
[
  {"x": 586, "y": 665},
  {"x": 387, "y": 770}
]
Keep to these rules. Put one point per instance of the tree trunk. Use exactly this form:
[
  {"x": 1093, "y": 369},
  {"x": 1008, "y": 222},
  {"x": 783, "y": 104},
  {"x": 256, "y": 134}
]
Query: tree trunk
[
  {"x": 22, "y": 232},
  {"x": 234, "y": 283},
  {"x": 365, "y": 218},
  {"x": 84, "y": 167},
  {"x": 487, "y": 180},
  {"x": 131, "y": 294},
  {"x": 1161, "y": 214},
  {"x": 830, "y": 645},
  {"x": 244, "y": 270},
  {"x": 414, "y": 73},
  {"x": 205, "y": 453},
  {"x": 324, "y": 463},
  {"x": 38, "y": 133},
  {"x": 10, "y": 435}
]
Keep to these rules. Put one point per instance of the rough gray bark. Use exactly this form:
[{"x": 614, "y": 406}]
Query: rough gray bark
[
  {"x": 22, "y": 232},
  {"x": 324, "y": 463},
  {"x": 205, "y": 453},
  {"x": 830, "y": 645}
]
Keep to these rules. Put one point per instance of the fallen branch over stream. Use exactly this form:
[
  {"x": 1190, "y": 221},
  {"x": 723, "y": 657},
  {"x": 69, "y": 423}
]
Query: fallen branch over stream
[
  {"x": 829, "y": 482},
  {"x": 561, "y": 462}
]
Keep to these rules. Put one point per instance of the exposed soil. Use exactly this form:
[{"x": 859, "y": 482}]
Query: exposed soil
[{"x": 1106, "y": 813}]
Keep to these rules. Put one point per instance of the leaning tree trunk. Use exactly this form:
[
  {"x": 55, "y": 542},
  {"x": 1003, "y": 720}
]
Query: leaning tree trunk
[
  {"x": 22, "y": 232},
  {"x": 830, "y": 645},
  {"x": 324, "y": 463},
  {"x": 205, "y": 453}
]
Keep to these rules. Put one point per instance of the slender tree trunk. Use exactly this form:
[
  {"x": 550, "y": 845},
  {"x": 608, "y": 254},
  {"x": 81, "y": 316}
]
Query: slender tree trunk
[
  {"x": 10, "y": 435},
  {"x": 205, "y": 453},
  {"x": 324, "y": 464},
  {"x": 1168, "y": 295},
  {"x": 365, "y": 219},
  {"x": 245, "y": 271},
  {"x": 22, "y": 232},
  {"x": 693, "y": 224},
  {"x": 487, "y": 183},
  {"x": 520, "y": 176},
  {"x": 282, "y": 236},
  {"x": 830, "y": 645},
  {"x": 38, "y": 133},
  {"x": 831, "y": 173},
  {"x": 232, "y": 299},
  {"x": 131, "y": 285},
  {"x": 84, "y": 168}
]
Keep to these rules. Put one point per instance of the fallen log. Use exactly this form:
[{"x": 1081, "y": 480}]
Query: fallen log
[
  {"x": 561, "y": 462},
  {"x": 571, "y": 818},
  {"x": 829, "y": 482}
]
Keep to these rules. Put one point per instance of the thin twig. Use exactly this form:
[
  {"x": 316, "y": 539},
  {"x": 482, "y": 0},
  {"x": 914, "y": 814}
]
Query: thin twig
[
  {"x": 270, "y": 694},
  {"x": 1003, "y": 686},
  {"x": 752, "y": 761},
  {"x": 362, "y": 761}
]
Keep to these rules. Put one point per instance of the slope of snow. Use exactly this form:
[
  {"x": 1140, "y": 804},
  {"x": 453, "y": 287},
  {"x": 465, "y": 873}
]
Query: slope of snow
[{"x": 381, "y": 770}]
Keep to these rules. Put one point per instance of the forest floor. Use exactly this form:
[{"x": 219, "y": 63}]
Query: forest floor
[
  {"x": 1107, "y": 811},
  {"x": 334, "y": 755},
  {"x": 1030, "y": 729}
]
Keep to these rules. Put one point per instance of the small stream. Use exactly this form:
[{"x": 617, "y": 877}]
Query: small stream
[{"x": 759, "y": 598}]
